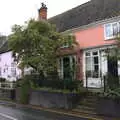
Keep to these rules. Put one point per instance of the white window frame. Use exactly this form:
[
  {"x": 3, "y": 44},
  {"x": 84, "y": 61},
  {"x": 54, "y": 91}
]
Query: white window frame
[
  {"x": 61, "y": 69},
  {"x": 111, "y": 27},
  {"x": 92, "y": 56}
]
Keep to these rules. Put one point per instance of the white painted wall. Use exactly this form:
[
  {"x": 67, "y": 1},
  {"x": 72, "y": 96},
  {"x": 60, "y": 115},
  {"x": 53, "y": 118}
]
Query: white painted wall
[
  {"x": 119, "y": 67},
  {"x": 6, "y": 67}
]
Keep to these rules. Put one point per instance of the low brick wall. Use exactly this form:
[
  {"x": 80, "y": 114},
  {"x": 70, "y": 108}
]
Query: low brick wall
[
  {"x": 53, "y": 100},
  {"x": 18, "y": 94},
  {"x": 108, "y": 107},
  {"x": 7, "y": 94}
]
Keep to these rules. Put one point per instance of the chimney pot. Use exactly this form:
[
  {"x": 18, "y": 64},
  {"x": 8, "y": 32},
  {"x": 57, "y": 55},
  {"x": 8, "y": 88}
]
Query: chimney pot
[{"x": 42, "y": 12}]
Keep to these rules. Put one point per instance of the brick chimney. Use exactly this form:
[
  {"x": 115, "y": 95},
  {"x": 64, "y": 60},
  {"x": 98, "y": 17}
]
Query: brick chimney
[{"x": 42, "y": 12}]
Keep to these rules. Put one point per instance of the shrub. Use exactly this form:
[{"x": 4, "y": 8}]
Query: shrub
[
  {"x": 25, "y": 87},
  {"x": 111, "y": 94},
  {"x": 36, "y": 81},
  {"x": 111, "y": 82},
  {"x": 65, "y": 91}
]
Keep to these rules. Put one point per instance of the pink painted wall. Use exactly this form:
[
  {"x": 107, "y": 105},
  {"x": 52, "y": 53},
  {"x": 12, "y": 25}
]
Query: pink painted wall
[
  {"x": 79, "y": 74},
  {"x": 89, "y": 38},
  {"x": 92, "y": 37}
]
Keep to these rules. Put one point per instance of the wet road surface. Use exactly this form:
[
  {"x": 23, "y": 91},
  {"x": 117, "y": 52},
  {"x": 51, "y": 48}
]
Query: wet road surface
[{"x": 20, "y": 113}]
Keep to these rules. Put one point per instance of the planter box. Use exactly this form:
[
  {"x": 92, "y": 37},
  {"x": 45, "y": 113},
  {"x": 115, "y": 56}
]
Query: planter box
[
  {"x": 53, "y": 100},
  {"x": 108, "y": 107}
]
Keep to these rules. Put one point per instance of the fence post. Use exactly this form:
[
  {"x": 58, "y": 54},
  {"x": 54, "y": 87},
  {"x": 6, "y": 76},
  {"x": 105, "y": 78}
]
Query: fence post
[{"x": 104, "y": 79}]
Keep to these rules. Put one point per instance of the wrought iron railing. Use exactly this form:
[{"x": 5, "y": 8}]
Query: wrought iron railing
[{"x": 7, "y": 85}]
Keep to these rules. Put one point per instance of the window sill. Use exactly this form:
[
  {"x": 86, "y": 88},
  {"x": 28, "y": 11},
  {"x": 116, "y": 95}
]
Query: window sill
[{"x": 110, "y": 38}]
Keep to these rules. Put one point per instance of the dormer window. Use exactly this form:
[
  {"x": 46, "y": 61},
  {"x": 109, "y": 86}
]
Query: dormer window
[
  {"x": 111, "y": 30},
  {"x": 115, "y": 28}
]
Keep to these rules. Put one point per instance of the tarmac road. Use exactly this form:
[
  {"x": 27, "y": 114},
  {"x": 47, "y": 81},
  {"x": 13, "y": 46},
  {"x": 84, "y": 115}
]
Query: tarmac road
[{"x": 20, "y": 113}]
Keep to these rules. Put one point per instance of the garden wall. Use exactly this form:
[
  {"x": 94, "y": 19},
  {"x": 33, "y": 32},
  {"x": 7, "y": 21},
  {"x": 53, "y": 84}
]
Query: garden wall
[
  {"x": 7, "y": 94},
  {"x": 108, "y": 107},
  {"x": 53, "y": 99}
]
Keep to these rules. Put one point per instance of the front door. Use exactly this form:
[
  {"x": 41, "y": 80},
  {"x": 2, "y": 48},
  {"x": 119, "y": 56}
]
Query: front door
[{"x": 66, "y": 68}]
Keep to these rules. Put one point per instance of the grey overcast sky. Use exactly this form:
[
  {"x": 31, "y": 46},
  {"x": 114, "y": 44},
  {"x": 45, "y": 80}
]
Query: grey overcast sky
[{"x": 18, "y": 11}]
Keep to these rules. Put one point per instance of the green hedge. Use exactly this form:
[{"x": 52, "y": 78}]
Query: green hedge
[
  {"x": 61, "y": 84},
  {"x": 36, "y": 82}
]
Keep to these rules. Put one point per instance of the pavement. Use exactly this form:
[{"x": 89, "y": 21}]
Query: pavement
[{"x": 14, "y": 111}]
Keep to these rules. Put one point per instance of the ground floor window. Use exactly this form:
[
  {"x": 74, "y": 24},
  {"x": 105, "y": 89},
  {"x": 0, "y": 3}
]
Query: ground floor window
[
  {"x": 67, "y": 67},
  {"x": 99, "y": 65},
  {"x": 92, "y": 63}
]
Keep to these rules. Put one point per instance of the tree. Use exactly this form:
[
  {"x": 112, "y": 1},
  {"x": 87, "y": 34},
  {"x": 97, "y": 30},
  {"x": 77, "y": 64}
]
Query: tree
[{"x": 35, "y": 45}]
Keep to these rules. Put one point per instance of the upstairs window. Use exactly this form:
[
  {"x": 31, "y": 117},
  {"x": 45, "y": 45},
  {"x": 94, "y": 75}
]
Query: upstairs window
[
  {"x": 0, "y": 71},
  {"x": 13, "y": 72},
  {"x": 112, "y": 30},
  {"x": 108, "y": 31}
]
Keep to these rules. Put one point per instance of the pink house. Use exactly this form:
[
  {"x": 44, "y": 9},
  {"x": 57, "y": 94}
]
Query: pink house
[
  {"x": 94, "y": 25},
  {"x": 94, "y": 42}
]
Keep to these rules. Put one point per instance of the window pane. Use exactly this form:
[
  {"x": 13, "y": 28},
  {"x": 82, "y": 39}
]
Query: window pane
[
  {"x": 96, "y": 71},
  {"x": 96, "y": 68},
  {"x": 88, "y": 67},
  {"x": 95, "y": 59},
  {"x": 119, "y": 27},
  {"x": 92, "y": 65},
  {"x": 66, "y": 68},
  {"x": 87, "y": 53},
  {"x": 108, "y": 30},
  {"x": 115, "y": 28},
  {"x": 13, "y": 72},
  {"x": 95, "y": 53},
  {"x": 88, "y": 63}
]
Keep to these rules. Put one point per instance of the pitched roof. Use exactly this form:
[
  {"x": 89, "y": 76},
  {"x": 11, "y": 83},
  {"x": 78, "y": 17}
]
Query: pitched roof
[
  {"x": 4, "y": 48},
  {"x": 84, "y": 14},
  {"x": 4, "y": 44}
]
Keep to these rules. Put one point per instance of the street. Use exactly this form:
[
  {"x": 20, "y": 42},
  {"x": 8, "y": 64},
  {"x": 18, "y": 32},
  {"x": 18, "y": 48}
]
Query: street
[{"x": 20, "y": 113}]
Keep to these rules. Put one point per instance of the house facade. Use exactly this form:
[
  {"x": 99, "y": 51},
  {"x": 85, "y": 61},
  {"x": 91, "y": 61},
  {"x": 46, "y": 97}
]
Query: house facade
[
  {"x": 94, "y": 25},
  {"x": 95, "y": 40},
  {"x": 8, "y": 67}
]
